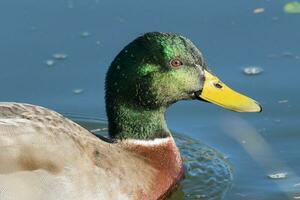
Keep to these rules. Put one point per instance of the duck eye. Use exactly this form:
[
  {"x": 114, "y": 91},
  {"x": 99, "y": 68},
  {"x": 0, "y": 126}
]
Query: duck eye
[
  {"x": 218, "y": 85},
  {"x": 176, "y": 63}
]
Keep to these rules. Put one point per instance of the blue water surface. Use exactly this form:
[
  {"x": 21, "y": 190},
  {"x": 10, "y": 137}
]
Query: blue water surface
[{"x": 230, "y": 35}]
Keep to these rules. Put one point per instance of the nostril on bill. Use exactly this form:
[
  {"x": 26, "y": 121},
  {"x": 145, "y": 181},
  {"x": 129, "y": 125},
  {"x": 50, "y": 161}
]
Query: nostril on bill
[{"x": 218, "y": 85}]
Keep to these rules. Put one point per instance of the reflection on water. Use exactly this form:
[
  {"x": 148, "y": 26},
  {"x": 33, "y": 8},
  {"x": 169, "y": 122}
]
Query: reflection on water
[
  {"x": 261, "y": 152},
  {"x": 208, "y": 173}
]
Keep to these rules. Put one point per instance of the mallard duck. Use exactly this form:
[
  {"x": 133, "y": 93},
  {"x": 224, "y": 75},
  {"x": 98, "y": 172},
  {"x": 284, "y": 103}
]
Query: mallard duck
[{"x": 47, "y": 156}]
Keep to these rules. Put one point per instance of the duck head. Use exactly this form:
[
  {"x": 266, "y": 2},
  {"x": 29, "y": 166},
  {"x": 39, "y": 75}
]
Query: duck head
[{"x": 155, "y": 71}]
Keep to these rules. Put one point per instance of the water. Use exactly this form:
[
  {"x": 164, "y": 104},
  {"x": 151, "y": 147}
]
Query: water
[{"x": 230, "y": 36}]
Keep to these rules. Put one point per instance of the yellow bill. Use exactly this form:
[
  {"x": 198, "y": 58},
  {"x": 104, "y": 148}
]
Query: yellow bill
[{"x": 216, "y": 92}]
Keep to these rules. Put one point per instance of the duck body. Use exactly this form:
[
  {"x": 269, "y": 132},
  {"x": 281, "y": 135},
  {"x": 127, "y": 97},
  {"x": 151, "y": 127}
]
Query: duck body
[{"x": 46, "y": 156}]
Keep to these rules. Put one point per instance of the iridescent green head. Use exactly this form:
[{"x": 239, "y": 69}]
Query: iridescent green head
[
  {"x": 145, "y": 74},
  {"x": 148, "y": 75}
]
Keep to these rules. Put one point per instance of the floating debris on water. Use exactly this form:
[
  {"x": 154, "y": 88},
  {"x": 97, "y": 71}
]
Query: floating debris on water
[
  {"x": 283, "y": 101},
  {"x": 292, "y": 7},
  {"x": 98, "y": 42},
  {"x": 275, "y": 18},
  {"x": 281, "y": 175},
  {"x": 290, "y": 55},
  {"x": 258, "y": 10},
  {"x": 50, "y": 63},
  {"x": 77, "y": 91},
  {"x": 60, "y": 56},
  {"x": 252, "y": 70},
  {"x": 85, "y": 34},
  {"x": 296, "y": 197},
  {"x": 56, "y": 57},
  {"x": 297, "y": 185},
  {"x": 287, "y": 54}
]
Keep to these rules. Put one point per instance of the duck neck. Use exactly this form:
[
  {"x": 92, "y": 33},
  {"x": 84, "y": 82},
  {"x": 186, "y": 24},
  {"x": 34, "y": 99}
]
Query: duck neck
[
  {"x": 164, "y": 157},
  {"x": 128, "y": 122}
]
